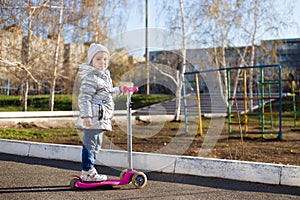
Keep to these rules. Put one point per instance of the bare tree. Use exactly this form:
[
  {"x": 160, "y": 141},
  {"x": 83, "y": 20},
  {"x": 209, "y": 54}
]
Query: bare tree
[
  {"x": 225, "y": 24},
  {"x": 212, "y": 20},
  {"x": 222, "y": 15},
  {"x": 21, "y": 16},
  {"x": 56, "y": 57},
  {"x": 181, "y": 71},
  {"x": 96, "y": 21},
  {"x": 44, "y": 24},
  {"x": 259, "y": 19}
]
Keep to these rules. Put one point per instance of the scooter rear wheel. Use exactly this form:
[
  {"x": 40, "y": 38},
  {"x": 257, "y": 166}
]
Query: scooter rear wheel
[
  {"x": 139, "y": 180},
  {"x": 123, "y": 173},
  {"x": 73, "y": 183}
]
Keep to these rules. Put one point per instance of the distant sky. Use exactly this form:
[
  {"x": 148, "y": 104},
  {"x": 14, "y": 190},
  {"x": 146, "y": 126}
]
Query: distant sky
[
  {"x": 137, "y": 21},
  {"x": 295, "y": 33}
]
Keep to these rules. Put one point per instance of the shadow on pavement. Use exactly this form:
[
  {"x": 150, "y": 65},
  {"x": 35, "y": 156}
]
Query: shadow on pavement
[
  {"x": 58, "y": 188},
  {"x": 155, "y": 176}
]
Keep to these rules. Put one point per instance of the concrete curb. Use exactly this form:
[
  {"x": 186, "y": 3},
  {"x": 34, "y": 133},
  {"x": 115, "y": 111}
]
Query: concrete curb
[
  {"x": 48, "y": 114},
  {"x": 207, "y": 167}
]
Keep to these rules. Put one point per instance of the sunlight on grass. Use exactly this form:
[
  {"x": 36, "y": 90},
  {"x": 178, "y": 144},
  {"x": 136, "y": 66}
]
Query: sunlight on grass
[{"x": 23, "y": 134}]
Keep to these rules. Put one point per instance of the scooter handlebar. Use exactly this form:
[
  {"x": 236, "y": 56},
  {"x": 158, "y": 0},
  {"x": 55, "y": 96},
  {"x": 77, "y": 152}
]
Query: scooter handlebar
[{"x": 130, "y": 89}]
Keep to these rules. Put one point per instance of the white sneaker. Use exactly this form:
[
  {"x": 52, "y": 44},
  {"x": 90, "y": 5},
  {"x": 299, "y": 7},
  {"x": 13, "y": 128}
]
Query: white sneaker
[{"x": 92, "y": 176}]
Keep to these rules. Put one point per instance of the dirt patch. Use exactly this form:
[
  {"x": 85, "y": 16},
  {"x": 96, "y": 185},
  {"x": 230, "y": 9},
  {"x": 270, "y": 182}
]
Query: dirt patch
[{"x": 246, "y": 148}]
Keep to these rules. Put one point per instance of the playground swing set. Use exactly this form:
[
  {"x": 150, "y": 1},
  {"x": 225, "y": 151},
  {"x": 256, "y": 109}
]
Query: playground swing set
[{"x": 260, "y": 119}]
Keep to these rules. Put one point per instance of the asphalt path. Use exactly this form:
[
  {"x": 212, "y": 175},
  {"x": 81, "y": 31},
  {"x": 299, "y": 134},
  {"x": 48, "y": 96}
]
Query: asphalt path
[{"x": 36, "y": 178}]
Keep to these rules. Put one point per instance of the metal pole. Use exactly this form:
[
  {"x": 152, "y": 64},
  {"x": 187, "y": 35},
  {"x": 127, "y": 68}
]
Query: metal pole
[
  {"x": 184, "y": 105},
  {"x": 280, "y": 103},
  {"x": 199, "y": 106},
  {"x": 245, "y": 101},
  {"x": 147, "y": 52},
  {"x": 294, "y": 103},
  {"x": 129, "y": 130},
  {"x": 262, "y": 101},
  {"x": 270, "y": 105},
  {"x": 228, "y": 102},
  {"x": 258, "y": 94}
]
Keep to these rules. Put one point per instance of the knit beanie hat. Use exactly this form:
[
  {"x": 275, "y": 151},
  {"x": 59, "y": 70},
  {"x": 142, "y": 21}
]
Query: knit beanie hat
[{"x": 95, "y": 48}]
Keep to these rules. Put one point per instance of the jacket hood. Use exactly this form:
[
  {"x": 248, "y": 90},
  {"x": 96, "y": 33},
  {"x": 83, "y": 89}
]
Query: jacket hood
[{"x": 85, "y": 69}]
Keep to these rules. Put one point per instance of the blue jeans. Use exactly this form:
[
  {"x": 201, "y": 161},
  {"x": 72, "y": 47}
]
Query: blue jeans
[{"x": 92, "y": 140}]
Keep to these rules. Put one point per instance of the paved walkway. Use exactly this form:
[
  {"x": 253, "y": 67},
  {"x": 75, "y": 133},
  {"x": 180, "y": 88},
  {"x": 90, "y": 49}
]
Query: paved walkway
[{"x": 30, "y": 178}]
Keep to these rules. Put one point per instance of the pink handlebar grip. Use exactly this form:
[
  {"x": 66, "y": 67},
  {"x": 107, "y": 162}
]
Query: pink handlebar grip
[{"x": 130, "y": 89}]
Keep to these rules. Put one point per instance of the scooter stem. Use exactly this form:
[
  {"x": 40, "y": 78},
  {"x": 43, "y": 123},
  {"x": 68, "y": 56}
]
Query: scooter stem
[{"x": 129, "y": 91}]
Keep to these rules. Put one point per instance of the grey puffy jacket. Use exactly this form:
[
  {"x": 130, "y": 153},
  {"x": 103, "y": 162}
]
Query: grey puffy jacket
[{"x": 95, "y": 97}]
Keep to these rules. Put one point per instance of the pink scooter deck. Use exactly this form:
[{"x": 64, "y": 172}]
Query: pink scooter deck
[{"x": 124, "y": 181}]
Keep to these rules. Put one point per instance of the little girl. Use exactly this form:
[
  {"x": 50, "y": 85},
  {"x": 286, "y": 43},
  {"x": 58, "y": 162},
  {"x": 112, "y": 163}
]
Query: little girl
[{"x": 96, "y": 107}]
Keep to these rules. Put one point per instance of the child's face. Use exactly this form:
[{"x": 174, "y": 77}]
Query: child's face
[{"x": 100, "y": 61}]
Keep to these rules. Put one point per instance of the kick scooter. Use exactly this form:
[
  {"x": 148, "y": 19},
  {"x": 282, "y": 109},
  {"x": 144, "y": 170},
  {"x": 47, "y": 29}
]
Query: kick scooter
[{"x": 127, "y": 176}]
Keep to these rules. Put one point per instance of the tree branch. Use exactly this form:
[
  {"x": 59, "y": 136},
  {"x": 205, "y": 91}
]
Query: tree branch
[
  {"x": 165, "y": 74},
  {"x": 18, "y": 65}
]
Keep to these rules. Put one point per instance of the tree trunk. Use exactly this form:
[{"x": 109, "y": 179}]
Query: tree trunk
[
  {"x": 223, "y": 91},
  {"x": 26, "y": 61},
  {"x": 56, "y": 60},
  {"x": 253, "y": 53},
  {"x": 25, "y": 95},
  {"x": 178, "y": 97},
  {"x": 180, "y": 75}
]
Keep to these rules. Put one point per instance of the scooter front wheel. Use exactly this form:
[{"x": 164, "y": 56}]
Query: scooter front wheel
[{"x": 139, "y": 180}]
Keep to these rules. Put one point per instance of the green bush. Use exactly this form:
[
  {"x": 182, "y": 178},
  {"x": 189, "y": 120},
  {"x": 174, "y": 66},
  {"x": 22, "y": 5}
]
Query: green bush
[
  {"x": 64, "y": 102},
  {"x": 9, "y": 101},
  {"x": 35, "y": 103},
  {"x": 140, "y": 100}
]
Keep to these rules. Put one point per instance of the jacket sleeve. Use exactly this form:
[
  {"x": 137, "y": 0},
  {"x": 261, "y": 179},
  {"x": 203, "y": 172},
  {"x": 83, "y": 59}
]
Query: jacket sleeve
[
  {"x": 116, "y": 92},
  {"x": 87, "y": 91}
]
